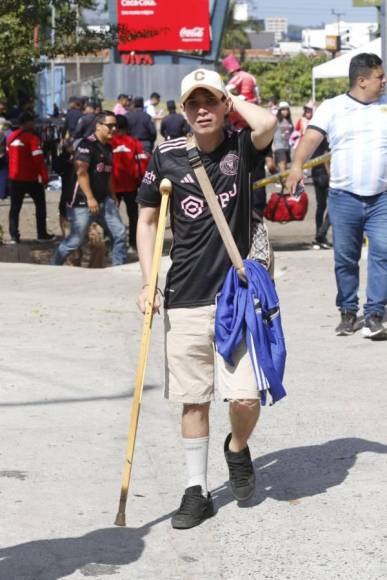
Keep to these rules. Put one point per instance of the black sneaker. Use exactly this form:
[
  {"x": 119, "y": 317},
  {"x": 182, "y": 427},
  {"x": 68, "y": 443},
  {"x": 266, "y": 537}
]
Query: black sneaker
[
  {"x": 46, "y": 238},
  {"x": 373, "y": 327},
  {"x": 347, "y": 324},
  {"x": 194, "y": 509},
  {"x": 241, "y": 471}
]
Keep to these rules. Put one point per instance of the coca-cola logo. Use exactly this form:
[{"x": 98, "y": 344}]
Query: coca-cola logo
[
  {"x": 131, "y": 3},
  {"x": 195, "y": 34}
]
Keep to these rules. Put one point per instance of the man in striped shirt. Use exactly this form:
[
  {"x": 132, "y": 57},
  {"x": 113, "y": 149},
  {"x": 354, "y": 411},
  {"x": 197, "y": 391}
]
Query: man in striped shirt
[{"x": 355, "y": 125}]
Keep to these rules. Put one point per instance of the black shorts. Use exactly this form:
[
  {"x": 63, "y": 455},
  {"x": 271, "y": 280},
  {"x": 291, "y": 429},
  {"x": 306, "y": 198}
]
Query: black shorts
[{"x": 281, "y": 155}]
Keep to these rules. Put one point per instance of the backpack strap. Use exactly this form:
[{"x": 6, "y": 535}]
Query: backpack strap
[{"x": 213, "y": 204}]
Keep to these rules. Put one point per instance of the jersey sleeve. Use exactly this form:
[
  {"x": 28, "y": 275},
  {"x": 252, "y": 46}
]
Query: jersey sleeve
[
  {"x": 322, "y": 118},
  {"x": 38, "y": 158},
  {"x": 83, "y": 152},
  {"x": 250, "y": 154},
  {"x": 149, "y": 193}
]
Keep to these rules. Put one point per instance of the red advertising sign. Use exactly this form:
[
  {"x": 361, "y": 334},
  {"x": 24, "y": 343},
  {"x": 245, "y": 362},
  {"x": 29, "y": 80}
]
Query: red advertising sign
[{"x": 176, "y": 26}]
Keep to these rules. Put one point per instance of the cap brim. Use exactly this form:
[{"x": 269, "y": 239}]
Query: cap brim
[{"x": 219, "y": 94}]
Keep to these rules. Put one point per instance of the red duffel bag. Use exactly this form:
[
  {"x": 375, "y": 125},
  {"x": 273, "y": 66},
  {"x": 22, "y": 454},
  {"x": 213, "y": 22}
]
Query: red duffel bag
[{"x": 283, "y": 207}]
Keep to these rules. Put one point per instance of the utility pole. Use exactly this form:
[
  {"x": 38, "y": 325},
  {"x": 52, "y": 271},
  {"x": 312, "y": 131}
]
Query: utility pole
[
  {"x": 52, "y": 59},
  {"x": 338, "y": 16}
]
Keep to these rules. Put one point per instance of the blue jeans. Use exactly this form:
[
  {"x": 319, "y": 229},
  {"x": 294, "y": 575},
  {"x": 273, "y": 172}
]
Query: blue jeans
[
  {"x": 80, "y": 219},
  {"x": 352, "y": 216}
]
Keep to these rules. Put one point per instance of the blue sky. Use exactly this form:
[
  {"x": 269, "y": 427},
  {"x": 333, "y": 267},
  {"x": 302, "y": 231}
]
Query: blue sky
[{"x": 313, "y": 12}]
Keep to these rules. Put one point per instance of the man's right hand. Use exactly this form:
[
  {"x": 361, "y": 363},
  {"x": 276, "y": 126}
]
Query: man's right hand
[
  {"x": 93, "y": 205},
  {"x": 143, "y": 298},
  {"x": 295, "y": 176}
]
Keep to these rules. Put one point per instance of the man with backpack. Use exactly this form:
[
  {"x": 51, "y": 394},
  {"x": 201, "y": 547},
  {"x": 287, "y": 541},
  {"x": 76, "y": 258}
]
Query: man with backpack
[
  {"x": 27, "y": 175},
  {"x": 199, "y": 266},
  {"x": 129, "y": 164}
]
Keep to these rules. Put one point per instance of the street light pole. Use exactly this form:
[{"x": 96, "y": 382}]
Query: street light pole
[
  {"x": 338, "y": 15},
  {"x": 52, "y": 58}
]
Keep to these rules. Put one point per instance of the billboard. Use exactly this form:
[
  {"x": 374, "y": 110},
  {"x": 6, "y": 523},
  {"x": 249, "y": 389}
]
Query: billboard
[
  {"x": 177, "y": 26},
  {"x": 364, "y": 3}
]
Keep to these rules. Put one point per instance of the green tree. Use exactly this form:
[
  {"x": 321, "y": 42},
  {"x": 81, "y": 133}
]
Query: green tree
[
  {"x": 291, "y": 79},
  {"x": 234, "y": 35},
  {"x": 27, "y": 38}
]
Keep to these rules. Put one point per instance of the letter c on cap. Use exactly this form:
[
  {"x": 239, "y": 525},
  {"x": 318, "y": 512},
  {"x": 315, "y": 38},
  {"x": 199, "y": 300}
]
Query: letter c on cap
[{"x": 200, "y": 75}]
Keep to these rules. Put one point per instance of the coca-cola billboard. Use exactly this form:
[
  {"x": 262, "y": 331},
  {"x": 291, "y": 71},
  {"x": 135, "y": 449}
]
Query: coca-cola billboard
[{"x": 177, "y": 25}]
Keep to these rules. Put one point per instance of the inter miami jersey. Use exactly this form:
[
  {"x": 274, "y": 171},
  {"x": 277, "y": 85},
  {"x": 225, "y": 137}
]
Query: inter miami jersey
[
  {"x": 199, "y": 259},
  {"x": 99, "y": 157}
]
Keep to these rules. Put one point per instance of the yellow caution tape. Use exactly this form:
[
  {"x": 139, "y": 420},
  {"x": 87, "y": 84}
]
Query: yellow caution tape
[{"x": 278, "y": 177}]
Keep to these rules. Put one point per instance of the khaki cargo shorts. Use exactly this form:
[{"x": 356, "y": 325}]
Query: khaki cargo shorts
[{"x": 193, "y": 367}]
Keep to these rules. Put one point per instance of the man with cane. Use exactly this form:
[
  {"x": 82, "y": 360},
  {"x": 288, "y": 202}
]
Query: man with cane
[{"x": 199, "y": 265}]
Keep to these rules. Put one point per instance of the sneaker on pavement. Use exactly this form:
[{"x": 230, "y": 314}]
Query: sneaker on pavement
[
  {"x": 373, "y": 327},
  {"x": 325, "y": 245},
  {"x": 241, "y": 471},
  {"x": 46, "y": 238},
  {"x": 14, "y": 241},
  {"x": 347, "y": 324},
  {"x": 194, "y": 509},
  {"x": 316, "y": 245}
]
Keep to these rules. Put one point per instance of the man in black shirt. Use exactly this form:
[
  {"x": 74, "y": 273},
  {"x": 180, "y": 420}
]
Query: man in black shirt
[
  {"x": 74, "y": 113},
  {"x": 141, "y": 126},
  {"x": 173, "y": 125},
  {"x": 199, "y": 265},
  {"x": 92, "y": 199},
  {"x": 86, "y": 123}
]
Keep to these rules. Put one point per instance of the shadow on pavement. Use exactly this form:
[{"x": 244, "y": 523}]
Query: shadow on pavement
[
  {"x": 126, "y": 395},
  {"x": 97, "y": 554},
  {"x": 285, "y": 246},
  {"x": 286, "y": 475},
  {"x": 299, "y": 472}
]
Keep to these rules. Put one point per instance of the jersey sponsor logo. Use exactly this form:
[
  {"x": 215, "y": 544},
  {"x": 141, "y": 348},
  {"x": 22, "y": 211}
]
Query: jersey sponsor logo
[
  {"x": 101, "y": 167},
  {"x": 187, "y": 179},
  {"x": 225, "y": 197},
  {"x": 192, "y": 206},
  {"x": 149, "y": 177},
  {"x": 229, "y": 164},
  {"x": 83, "y": 150},
  {"x": 122, "y": 149}
]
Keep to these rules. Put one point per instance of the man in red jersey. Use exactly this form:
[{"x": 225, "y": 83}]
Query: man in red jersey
[
  {"x": 129, "y": 165},
  {"x": 27, "y": 174}
]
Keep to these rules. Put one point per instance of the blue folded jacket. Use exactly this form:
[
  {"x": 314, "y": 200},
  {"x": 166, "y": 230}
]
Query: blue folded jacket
[{"x": 252, "y": 313}]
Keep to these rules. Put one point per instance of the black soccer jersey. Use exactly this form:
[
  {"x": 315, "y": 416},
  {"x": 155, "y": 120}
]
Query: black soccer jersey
[
  {"x": 199, "y": 259},
  {"x": 99, "y": 156}
]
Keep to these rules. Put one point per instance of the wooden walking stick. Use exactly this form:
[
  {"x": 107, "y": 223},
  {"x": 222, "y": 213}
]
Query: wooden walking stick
[{"x": 165, "y": 190}]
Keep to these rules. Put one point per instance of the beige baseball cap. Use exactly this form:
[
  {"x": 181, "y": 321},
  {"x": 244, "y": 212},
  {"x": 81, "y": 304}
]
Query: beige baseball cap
[{"x": 202, "y": 78}]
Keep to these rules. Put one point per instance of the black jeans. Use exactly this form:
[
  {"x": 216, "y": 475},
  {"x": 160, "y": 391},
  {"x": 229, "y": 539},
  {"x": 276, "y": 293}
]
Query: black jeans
[
  {"x": 18, "y": 190},
  {"x": 322, "y": 218},
  {"x": 129, "y": 198}
]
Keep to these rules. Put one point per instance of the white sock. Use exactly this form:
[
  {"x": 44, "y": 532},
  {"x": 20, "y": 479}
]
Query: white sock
[{"x": 196, "y": 454}]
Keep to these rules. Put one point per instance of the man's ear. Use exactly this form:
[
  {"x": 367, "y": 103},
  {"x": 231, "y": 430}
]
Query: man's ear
[
  {"x": 182, "y": 109},
  {"x": 228, "y": 105}
]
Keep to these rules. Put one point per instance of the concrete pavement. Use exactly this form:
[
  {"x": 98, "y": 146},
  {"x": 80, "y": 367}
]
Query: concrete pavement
[{"x": 68, "y": 350}]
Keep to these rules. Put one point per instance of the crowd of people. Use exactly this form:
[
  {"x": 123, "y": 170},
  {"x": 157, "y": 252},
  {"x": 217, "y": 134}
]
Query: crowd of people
[{"x": 136, "y": 119}]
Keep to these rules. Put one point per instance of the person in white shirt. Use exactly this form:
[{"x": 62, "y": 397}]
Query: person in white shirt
[
  {"x": 355, "y": 124},
  {"x": 153, "y": 107}
]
